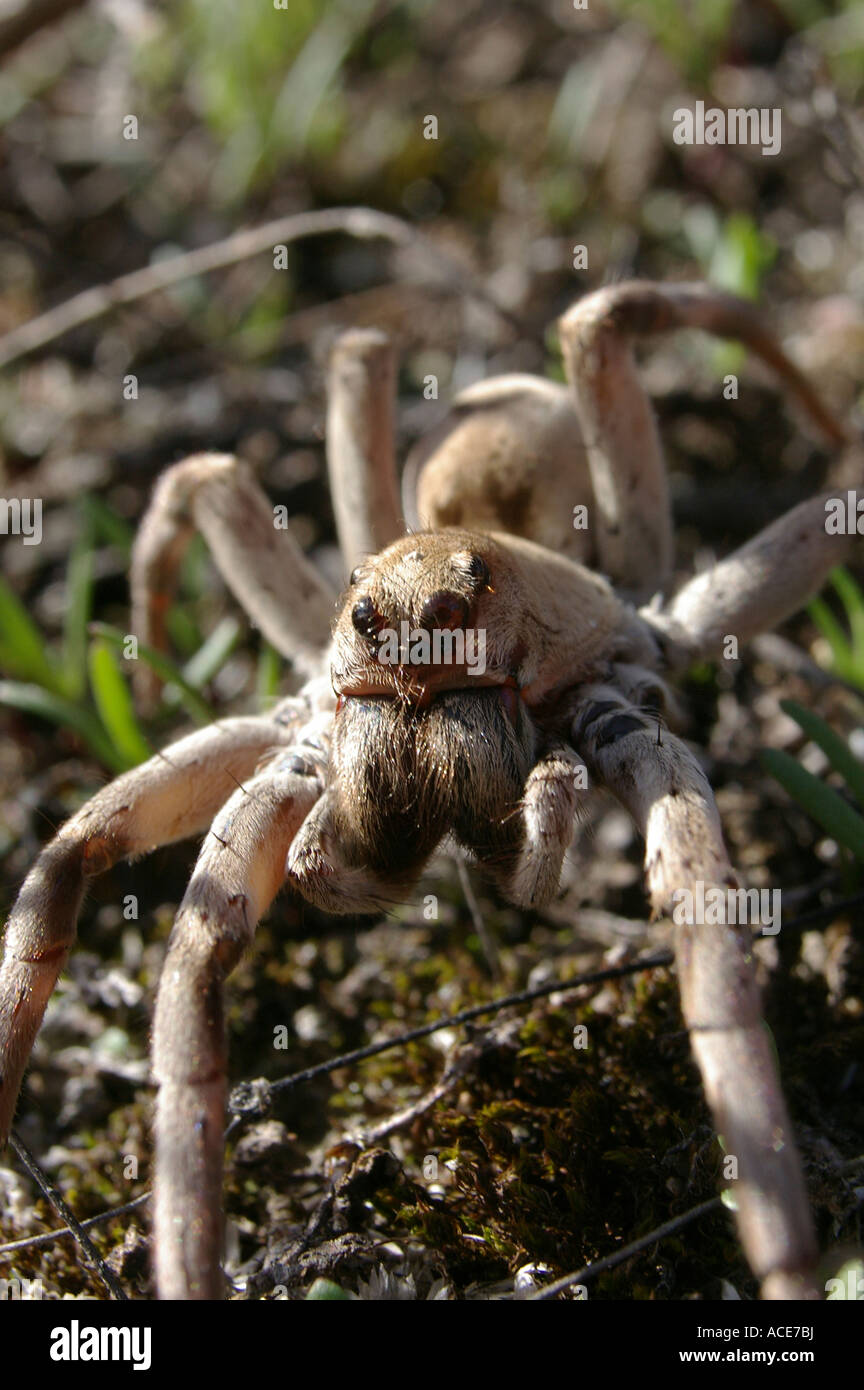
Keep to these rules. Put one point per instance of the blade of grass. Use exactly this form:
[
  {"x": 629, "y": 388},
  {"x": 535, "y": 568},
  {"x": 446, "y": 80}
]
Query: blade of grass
[
  {"x": 191, "y": 701},
  {"x": 830, "y": 628},
  {"x": 195, "y": 568},
  {"x": 212, "y": 654},
  {"x": 33, "y": 699},
  {"x": 22, "y": 646},
  {"x": 103, "y": 522},
  {"x": 838, "y": 752},
  {"x": 79, "y": 592},
  {"x": 114, "y": 703},
  {"x": 184, "y": 632},
  {"x": 853, "y": 601},
  {"x": 268, "y": 675},
  {"x": 822, "y": 803}
]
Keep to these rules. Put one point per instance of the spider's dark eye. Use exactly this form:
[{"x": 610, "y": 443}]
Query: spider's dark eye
[
  {"x": 479, "y": 571},
  {"x": 355, "y": 574},
  {"x": 474, "y": 568},
  {"x": 366, "y": 619},
  {"x": 444, "y": 610}
]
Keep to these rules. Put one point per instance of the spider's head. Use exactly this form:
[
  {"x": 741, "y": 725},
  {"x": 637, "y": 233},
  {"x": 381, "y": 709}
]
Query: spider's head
[{"x": 425, "y": 617}]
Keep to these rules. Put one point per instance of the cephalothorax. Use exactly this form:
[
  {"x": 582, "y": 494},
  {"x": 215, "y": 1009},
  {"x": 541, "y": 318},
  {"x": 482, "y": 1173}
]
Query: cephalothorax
[
  {"x": 422, "y": 748},
  {"x": 480, "y": 682}
]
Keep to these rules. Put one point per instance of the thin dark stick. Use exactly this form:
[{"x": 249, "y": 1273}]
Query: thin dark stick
[
  {"x": 819, "y": 914},
  {"x": 91, "y": 1254},
  {"x": 49, "y": 1237},
  {"x": 581, "y": 1276},
  {"x": 248, "y": 1106},
  {"x": 477, "y": 1011},
  {"x": 360, "y": 1054}
]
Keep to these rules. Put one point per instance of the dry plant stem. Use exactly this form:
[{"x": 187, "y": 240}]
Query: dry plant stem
[
  {"x": 94, "y": 303},
  {"x": 464, "y": 1059},
  {"x": 240, "y": 869},
  {"x": 280, "y": 589},
  {"x": 28, "y": 19},
  {"x": 155, "y": 804},
  {"x": 663, "y": 787},
  {"x": 361, "y": 459}
]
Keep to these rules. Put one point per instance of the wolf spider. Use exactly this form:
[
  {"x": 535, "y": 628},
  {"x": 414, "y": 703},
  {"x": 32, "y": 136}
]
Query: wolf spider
[{"x": 345, "y": 789}]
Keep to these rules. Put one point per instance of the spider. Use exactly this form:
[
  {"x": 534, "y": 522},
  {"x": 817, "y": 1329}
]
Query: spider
[{"x": 556, "y": 645}]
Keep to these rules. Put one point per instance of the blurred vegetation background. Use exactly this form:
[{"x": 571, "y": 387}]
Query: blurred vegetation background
[{"x": 554, "y": 129}]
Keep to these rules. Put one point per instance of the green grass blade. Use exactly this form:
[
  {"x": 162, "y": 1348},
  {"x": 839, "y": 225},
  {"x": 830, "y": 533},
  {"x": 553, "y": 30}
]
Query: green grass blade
[
  {"x": 830, "y": 628},
  {"x": 183, "y": 631},
  {"x": 195, "y": 568},
  {"x": 22, "y": 646},
  {"x": 822, "y": 803},
  {"x": 838, "y": 753},
  {"x": 853, "y": 601},
  {"x": 79, "y": 593},
  {"x": 33, "y": 699},
  {"x": 105, "y": 524},
  {"x": 191, "y": 701},
  {"x": 268, "y": 676},
  {"x": 212, "y": 654},
  {"x": 114, "y": 703}
]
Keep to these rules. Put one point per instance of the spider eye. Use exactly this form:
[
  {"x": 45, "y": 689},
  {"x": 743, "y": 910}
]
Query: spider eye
[
  {"x": 355, "y": 574},
  {"x": 366, "y": 619},
  {"x": 444, "y": 610},
  {"x": 473, "y": 567},
  {"x": 479, "y": 572}
]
